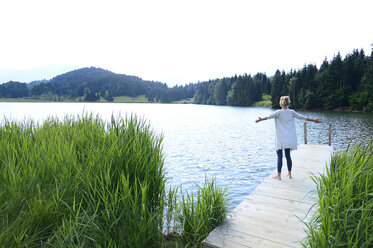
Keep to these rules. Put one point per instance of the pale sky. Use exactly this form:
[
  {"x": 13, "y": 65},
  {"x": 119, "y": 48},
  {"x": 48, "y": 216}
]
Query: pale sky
[{"x": 181, "y": 41}]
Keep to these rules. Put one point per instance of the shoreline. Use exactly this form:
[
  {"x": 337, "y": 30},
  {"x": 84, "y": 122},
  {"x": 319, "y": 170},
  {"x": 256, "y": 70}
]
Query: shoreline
[{"x": 186, "y": 101}]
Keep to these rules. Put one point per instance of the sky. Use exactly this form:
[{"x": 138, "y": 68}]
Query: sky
[{"x": 178, "y": 42}]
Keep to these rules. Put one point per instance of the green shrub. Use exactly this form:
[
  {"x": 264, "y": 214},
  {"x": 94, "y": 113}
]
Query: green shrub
[{"x": 345, "y": 214}]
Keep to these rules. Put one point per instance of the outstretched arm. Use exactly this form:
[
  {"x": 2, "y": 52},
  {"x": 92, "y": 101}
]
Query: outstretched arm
[
  {"x": 260, "y": 119},
  {"x": 317, "y": 120},
  {"x": 302, "y": 117}
]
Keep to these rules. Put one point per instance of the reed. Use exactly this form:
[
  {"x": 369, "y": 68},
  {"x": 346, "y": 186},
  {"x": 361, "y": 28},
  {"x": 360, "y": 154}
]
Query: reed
[
  {"x": 201, "y": 212},
  {"x": 83, "y": 182},
  {"x": 345, "y": 201}
]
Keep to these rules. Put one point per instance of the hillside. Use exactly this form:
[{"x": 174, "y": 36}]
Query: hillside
[
  {"x": 94, "y": 84},
  {"x": 90, "y": 84}
]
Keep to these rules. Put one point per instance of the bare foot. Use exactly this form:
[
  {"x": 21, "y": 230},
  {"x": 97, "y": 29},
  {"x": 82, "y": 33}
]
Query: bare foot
[
  {"x": 277, "y": 177},
  {"x": 289, "y": 176}
]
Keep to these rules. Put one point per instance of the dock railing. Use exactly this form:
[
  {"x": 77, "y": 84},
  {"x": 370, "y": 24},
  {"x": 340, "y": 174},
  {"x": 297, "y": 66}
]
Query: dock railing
[{"x": 305, "y": 134}]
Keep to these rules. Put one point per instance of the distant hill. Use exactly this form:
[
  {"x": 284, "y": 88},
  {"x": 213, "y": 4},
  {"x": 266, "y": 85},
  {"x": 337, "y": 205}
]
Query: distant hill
[{"x": 92, "y": 83}]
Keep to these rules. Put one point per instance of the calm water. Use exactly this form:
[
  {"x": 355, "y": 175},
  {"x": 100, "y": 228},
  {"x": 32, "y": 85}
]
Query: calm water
[{"x": 212, "y": 141}]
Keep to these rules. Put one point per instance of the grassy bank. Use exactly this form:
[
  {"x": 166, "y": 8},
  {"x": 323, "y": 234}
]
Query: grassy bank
[
  {"x": 345, "y": 214},
  {"x": 83, "y": 182},
  {"x": 128, "y": 99},
  {"x": 117, "y": 99},
  {"x": 23, "y": 99},
  {"x": 184, "y": 101},
  {"x": 266, "y": 102}
]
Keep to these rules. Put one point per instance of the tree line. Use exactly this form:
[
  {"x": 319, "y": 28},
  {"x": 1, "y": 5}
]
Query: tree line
[
  {"x": 241, "y": 90},
  {"x": 340, "y": 83},
  {"x": 345, "y": 83}
]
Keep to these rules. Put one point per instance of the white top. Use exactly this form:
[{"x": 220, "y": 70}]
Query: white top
[{"x": 286, "y": 136}]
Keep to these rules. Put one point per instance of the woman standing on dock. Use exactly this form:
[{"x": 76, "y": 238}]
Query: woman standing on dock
[{"x": 286, "y": 137}]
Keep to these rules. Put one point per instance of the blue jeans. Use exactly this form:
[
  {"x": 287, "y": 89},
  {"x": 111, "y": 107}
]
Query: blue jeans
[{"x": 279, "y": 159}]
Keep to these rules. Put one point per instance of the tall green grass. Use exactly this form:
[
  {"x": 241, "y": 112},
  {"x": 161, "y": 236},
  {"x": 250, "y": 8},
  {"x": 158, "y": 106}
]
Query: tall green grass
[
  {"x": 192, "y": 216},
  {"x": 83, "y": 182},
  {"x": 201, "y": 212},
  {"x": 345, "y": 193}
]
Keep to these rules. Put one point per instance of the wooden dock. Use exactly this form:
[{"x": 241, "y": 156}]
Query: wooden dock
[{"x": 273, "y": 214}]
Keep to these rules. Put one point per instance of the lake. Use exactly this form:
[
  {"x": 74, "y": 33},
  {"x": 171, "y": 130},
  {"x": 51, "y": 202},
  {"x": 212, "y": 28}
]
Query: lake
[{"x": 212, "y": 141}]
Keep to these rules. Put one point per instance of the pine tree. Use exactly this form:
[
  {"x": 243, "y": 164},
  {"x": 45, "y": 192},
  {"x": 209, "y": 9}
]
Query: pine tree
[
  {"x": 366, "y": 96},
  {"x": 331, "y": 86},
  {"x": 220, "y": 92},
  {"x": 276, "y": 91}
]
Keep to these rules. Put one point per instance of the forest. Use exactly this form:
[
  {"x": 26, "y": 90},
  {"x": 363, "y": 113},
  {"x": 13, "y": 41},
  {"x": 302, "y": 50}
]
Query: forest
[
  {"x": 345, "y": 84},
  {"x": 340, "y": 83}
]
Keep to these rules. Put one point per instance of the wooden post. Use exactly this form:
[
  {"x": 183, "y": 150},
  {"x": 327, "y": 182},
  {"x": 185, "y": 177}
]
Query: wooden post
[
  {"x": 330, "y": 134},
  {"x": 305, "y": 133}
]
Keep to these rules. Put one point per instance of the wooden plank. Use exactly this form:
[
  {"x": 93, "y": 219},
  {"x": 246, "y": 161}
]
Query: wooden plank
[
  {"x": 237, "y": 239},
  {"x": 273, "y": 215},
  {"x": 281, "y": 206},
  {"x": 283, "y": 193},
  {"x": 301, "y": 182},
  {"x": 259, "y": 199}
]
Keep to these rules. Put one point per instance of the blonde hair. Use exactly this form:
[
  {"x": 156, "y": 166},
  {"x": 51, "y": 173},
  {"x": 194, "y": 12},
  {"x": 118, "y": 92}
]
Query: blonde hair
[{"x": 285, "y": 100}]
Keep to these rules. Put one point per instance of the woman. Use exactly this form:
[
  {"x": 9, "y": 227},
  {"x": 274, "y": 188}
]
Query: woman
[{"x": 286, "y": 137}]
